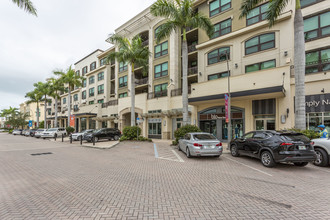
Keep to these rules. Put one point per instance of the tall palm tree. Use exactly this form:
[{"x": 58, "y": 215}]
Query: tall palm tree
[
  {"x": 275, "y": 9},
  {"x": 56, "y": 86},
  {"x": 180, "y": 14},
  {"x": 44, "y": 89},
  {"x": 27, "y": 5},
  {"x": 71, "y": 79},
  {"x": 34, "y": 97},
  {"x": 133, "y": 53}
]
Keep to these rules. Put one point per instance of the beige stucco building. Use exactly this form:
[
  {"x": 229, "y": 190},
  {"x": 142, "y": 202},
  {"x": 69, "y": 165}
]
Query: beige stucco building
[
  {"x": 259, "y": 59},
  {"x": 31, "y": 109}
]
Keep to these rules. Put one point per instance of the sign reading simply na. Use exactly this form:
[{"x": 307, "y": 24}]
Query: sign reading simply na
[{"x": 318, "y": 103}]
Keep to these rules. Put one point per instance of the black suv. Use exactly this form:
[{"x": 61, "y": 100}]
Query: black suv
[
  {"x": 273, "y": 147},
  {"x": 103, "y": 133}
]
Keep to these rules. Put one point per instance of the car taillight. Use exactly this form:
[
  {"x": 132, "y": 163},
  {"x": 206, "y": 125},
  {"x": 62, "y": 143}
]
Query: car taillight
[
  {"x": 286, "y": 144},
  {"x": 218, "y": 145},
  {"x": 198, "y": 145}
]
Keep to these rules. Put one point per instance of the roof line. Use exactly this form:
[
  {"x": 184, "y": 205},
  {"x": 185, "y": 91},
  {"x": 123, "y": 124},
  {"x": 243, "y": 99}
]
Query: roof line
[{"x": 89, "y": 55}]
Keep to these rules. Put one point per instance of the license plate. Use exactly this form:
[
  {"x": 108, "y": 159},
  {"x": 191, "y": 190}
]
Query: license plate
[
  {"x": 302, "y": 147},
  {"x": 209, "y": 146}
]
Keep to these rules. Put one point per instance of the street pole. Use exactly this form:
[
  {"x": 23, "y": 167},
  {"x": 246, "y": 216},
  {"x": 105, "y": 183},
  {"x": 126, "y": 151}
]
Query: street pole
[{"x": 229, "y": 104}]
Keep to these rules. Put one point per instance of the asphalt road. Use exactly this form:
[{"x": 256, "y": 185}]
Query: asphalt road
[{"x": 42, "y": 179}]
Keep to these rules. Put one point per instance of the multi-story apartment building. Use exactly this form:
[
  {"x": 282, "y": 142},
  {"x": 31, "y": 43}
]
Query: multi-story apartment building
[
  {"x": 31, "y": 109},
  {"x": 259, "y": 60}
]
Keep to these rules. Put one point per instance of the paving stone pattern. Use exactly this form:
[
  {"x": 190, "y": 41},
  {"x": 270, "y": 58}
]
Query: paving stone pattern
[{"x": 128, "y": 182}]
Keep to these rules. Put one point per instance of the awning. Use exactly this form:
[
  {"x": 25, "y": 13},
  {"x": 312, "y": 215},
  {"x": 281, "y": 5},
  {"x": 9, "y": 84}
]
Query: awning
[{"x": 90, "y": 115}]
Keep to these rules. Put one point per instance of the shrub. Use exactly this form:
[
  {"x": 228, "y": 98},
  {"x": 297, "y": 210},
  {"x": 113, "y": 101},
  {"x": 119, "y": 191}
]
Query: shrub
[
  {"x": 179, "y": 133},
  {"x": 140, "y": 138},
  {"x": 311, "y": 134},
  {"x": 131, "y": 132},
  {"x": 69, "y": 130},
  {"x": 11, "y": 131}
]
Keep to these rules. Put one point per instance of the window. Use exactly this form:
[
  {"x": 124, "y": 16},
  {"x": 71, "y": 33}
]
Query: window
[
  {"x": 155, "y": 111},
  {"x": 83, "y": 95},
  {"x": 161, "y": 70},
  {"x": 217, "y": 75},
  {"x": 305, "y": 3},
  {"x": 317, "y": 26},
  {"x": 100, "y": 76},
  {"x": 84, "y": 83},
  {"x": 257, "y": 14},
  {"x": 103, "y": 61},
  {"x": 318, "y": 61},
  {"x": 218, "y": 6},
  {"x": 91, "y": 102},
  {"x": 93, "y": 66},
  {"x": 222, "y": 28},
  {"x": 64, "y": 100},
  {"x": 260, "y": 66},
  {"x": 75, "y": 108},
  {"x": 161, "y": 90},
  {"x": 218, "y": 55},
  {"x": 84, "y": 70},
  {"x": 260, "y": 43},
  {"x": 157, "y": 30},
  {"x": 75, "y": 97},
  {"x": 122, "y": 66},
  {"x": 100, "y": 89},
  {"x": 78, "y": 73},
  {"x": 91, "y": 79},
  {"x": 91, "y": 92},
  {"x": 100, "y": 101},
  {"x": 122, "y": 95},
  {"x": 161, "y": 49},
  {"x": 123, "y": 81}
]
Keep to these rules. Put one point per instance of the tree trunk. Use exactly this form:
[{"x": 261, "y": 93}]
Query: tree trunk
[
  {"x": 299, "y": 70},
  {"x": 55, "y": 112},
  {"x": 132, "y": 96},
  {"x": 69, "y": 105},
  {"x": 185, "y": 80},
  {"x": 37, "y": 114},
  {"x": 45, "y": 110}
]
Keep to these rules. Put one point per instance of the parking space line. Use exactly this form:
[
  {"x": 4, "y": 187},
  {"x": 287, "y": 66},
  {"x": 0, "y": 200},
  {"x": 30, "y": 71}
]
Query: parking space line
[
  {"x": 177, "y": 155},
  {"x": 155, "y": 149},
  {"x": 249, "y": 166}
]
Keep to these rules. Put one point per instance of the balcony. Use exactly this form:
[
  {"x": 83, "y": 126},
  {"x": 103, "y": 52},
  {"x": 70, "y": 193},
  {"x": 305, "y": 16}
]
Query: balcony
[
  {"x": 76, "y": 109},
  {"x": 191, "y": 48},
  {"x": 153, "y": 95},
  {"x": 192, "y": 70},
  {"x": 110, "y": 103},
  {"x": 142, "y": 81},
  {"x": 112, "y": 77},
  {"x": 178, "y": 92},
  {"x": 145, "y": 43}
]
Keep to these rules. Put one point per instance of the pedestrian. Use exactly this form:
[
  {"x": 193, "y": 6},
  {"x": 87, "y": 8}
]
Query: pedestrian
[{"x": 323, "y": 132}]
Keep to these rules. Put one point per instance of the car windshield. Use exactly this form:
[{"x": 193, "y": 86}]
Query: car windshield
[
  {"x": 88, "y": 131},
  {"x": 52, "y": 129},
  {"x": 203, "y": 137},
  {"x": 98, "y": 130},
  {"x": 40, "y": 130},
  {"x": 294, "y": 137}
]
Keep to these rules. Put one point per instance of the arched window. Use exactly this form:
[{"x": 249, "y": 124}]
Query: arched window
[
  {"x": 260, "y": 43},
  {"x": 218, "y": 55}
]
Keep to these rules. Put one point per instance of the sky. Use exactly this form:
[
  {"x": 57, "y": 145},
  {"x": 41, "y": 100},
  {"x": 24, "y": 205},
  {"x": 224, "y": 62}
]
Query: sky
[{"x": 64, "y": 32}]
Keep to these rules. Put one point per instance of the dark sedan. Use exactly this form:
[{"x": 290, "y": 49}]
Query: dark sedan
[
  {"x": 273, "y": 147},
  {"x": 103, "y": 133}
]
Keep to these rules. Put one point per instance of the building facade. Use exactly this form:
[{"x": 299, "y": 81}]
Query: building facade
[
  {"x": 258, "y": 58},
  {"x": 31, "y": 109}
]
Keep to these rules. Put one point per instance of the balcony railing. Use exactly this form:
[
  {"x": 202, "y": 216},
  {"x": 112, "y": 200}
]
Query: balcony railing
[
  {"x": 141, "y": 81},
  {"x": 178, "y": 92},
  {"x": 110, "y": 103},
  {"x": 75, "y": 109},
  {"x": 153, "y": 95},
  {"x": 145, "y": 43},
  {"x": 112, "y": 76},
  {"x": 191, "y": 48},
  {"x": 192, "y": 70},
  {"x": 112, "y": 91}
]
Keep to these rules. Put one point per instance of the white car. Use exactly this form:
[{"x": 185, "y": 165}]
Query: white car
[
  {"x": 17, "y": 132},
  {"x": 322, "y": 150},
  {"x": 39, "y": 132},
  {"x": 53, "y": 132},
  {"x": 78, "y": 136}
]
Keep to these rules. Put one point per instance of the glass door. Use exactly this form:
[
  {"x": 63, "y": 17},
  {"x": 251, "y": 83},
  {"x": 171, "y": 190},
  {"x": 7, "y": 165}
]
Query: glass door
[{"x": 265, "y": 124}]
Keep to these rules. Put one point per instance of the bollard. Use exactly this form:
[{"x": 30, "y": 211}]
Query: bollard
[
  {"x": 55, "y": 137},
  {"x": 93, "y": 140},
  {"x": 62, "y": 137},
  {"x": 81, "y": 140},
  {"x": 70, "y": 139}
]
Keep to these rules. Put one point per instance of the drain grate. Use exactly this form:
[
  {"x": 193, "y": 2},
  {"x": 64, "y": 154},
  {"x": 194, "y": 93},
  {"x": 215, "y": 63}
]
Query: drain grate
[{"x": 38, "y": 154}]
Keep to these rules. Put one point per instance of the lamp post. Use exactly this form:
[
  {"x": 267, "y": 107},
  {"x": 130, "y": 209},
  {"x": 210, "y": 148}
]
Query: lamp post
[{"x": 229, "y": 105}]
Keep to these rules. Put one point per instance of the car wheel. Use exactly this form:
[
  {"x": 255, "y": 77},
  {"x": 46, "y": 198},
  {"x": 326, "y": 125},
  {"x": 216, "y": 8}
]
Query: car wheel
[
  {"x": 300, "y": 164},
  {"x": 267, "y": 159},
  {"x": 179, "y": 149},
  {"x": 116, "y": 137},
  {"x": 321, "y": 158},
  {"x": 234, "y": 151},
  {"x": 188, "y": 152},
  {"x": 44, "y": 138}
]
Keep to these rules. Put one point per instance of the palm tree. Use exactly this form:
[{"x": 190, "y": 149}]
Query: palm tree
[
  {"x": 71, "y": 79},
  {"x": 56, "y": 86},
  {"x": 180, "y": 14},
  {"x": 275, "y": 9},
  {"x": 44, "y": 90},
  {"x": 133, "y": 53},
  {"x": 27, "y": 5},
  {"x": 34, "y": 97}
]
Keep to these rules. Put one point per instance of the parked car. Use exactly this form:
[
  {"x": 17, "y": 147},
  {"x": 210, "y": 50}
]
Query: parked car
[
  {"x": 24, "y": 131},
  {"x": 17, "y": 132},
  {"x": 2, "y": 130},
  {"x": 322, "y": 150},
  {"x": 79, "y": 135},
  {"x": 273, "y": 147},
  {"x": 32, "y": 132},
  {"x": 38, "y": 133},
  {"x": 200, "y": 144},
  {"x": 103, "y": 133},
  {"x": 53, "y": 132}
]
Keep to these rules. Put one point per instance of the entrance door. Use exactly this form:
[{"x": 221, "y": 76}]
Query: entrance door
[
  {"x": 209, "y": 127},
  {"x": 265, "y": 124}
]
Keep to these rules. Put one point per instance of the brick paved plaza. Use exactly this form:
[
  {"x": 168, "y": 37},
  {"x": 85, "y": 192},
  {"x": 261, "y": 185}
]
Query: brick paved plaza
[{"x": 129, "y": 182}]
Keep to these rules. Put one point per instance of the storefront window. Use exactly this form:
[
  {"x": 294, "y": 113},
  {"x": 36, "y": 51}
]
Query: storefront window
[
  {"x": 155, "y": 128},
  {"x": 92, "y": 124},
  {"x": 83, "y": 124},
  {"x": 315, "y": 119}
]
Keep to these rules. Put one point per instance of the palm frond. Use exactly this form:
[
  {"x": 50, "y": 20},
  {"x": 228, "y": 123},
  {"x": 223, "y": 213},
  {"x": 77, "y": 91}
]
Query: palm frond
[
  {"x": 166, "y": 29},
  {"x": 26, "y": 5},
  {"x": 275, "y": 9},
  {"x": 247, "y": 6},
  {"x": 164, "y": 8},
  {"x": 202, "y": 22}
]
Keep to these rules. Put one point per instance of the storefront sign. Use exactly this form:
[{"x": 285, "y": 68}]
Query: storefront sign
[
  {"x": 318, "y": 103},
  {"x": 30, "y": 123},
  {"x": 226, "y": 106},
  {"x": 154, "y": 120},
  {"x": 216, "y": 117}
]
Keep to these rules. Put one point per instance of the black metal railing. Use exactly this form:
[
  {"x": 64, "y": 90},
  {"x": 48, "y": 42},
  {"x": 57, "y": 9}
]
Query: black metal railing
[
  {"x": 192, "y": 70},
  {"x": 145, "y": 43},
  {"x": 112, "y": 76},
  {"x": 191, "y": 48},
  {"x": 178, "y": 91},
  {"x": 153, "y": 95},
  {"x": 110, "y": 103},
  {"x": 141, "y": 81}
]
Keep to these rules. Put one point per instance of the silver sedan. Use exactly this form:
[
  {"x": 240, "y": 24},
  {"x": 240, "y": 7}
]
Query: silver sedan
[
  {"x": 322, "y": 150},
  {"x": 200, "y": 144}
]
